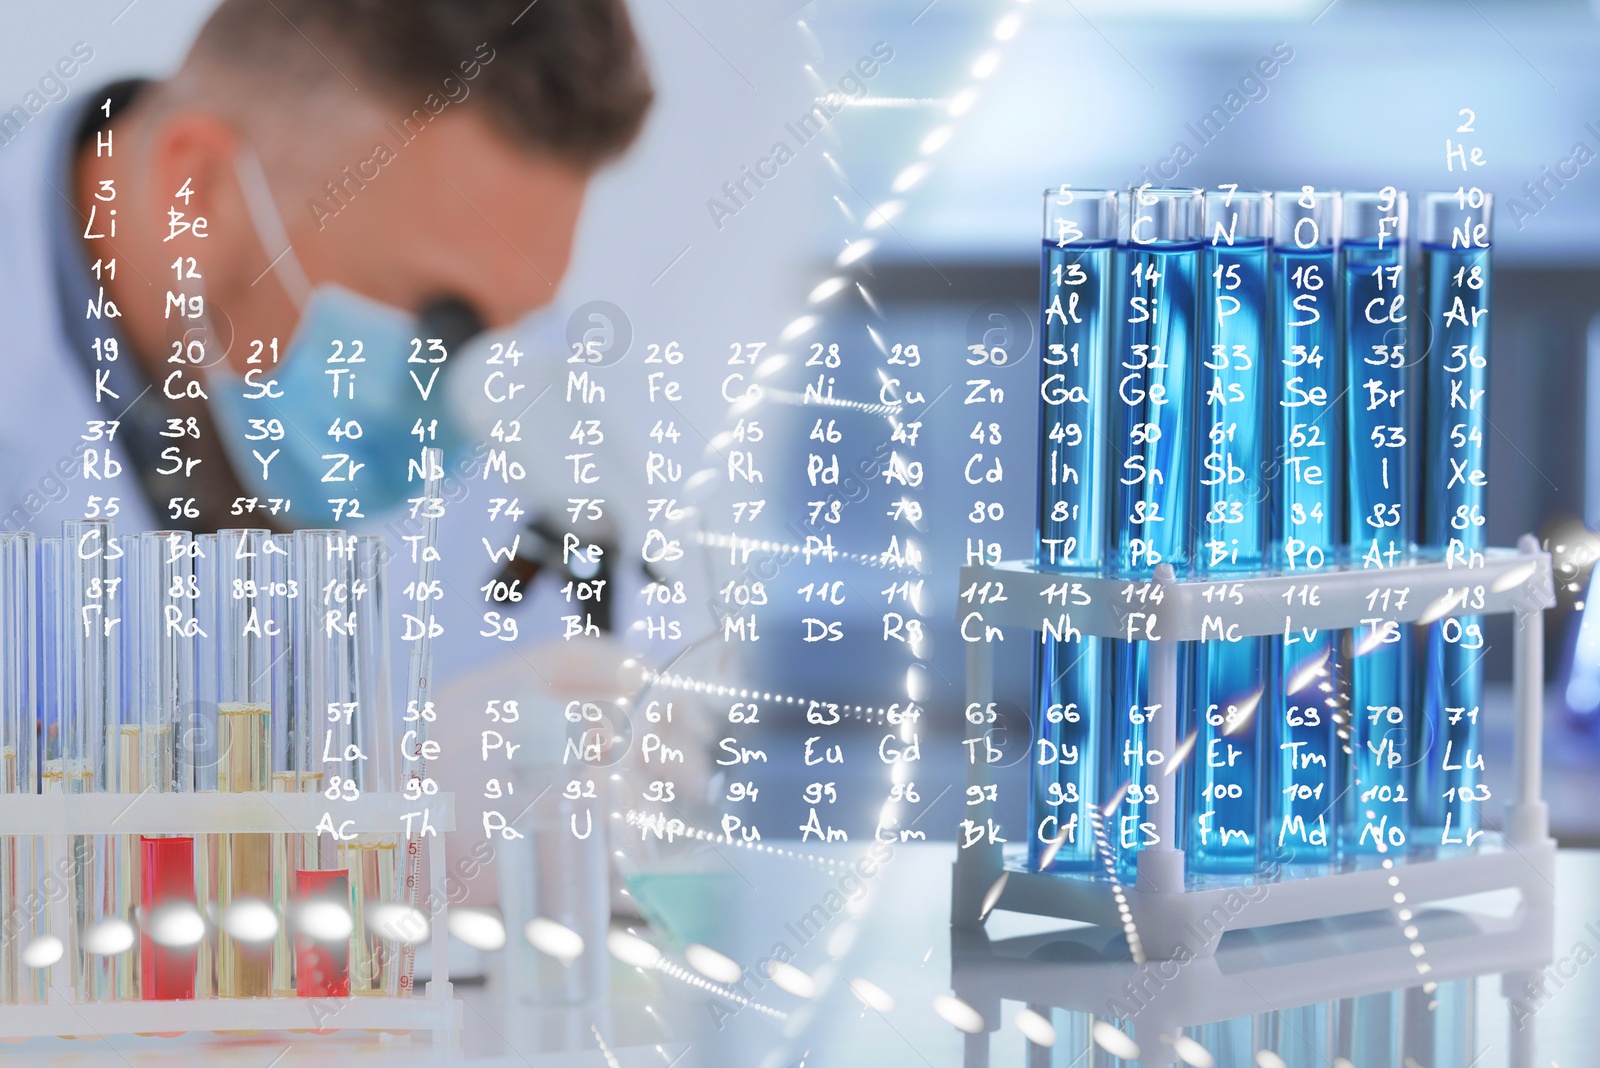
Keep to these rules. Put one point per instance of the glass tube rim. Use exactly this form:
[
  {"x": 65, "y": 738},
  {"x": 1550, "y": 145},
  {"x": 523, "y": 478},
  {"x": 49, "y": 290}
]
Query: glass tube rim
[
  {"x": 1182, "y": 208},
  {"x": 1081, "y": 217},
  {"x": 1359, "y": 198},
  {"x": 1435, "y": 198},
  {"x": 1226, "y": 198},
  {"x": 1290, "y": 197},
  {"x": 1327, "y": 214},
  {"x": 1265, "y": 195},
  {"x": 1169, "y": 193},
  {"x": 1097, "y": 193}
]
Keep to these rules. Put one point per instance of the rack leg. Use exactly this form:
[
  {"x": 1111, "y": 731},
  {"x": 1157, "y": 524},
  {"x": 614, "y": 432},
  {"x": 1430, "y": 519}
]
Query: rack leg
[
  {"x": 975, "y": 1050},
  {"x": 979, "y": 865},
  {"x": 1514, "y": 988}
]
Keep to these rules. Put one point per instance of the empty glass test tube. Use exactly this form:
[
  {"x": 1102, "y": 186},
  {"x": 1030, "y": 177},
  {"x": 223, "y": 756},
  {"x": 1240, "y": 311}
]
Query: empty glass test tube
[
  {"x": 133, "y": 636},
  {"x": 419, "y": 704},
  {"x": 19, "y": 769},
  {"x": 87, "y": 757},
  {"x": 58, "y": 915}
]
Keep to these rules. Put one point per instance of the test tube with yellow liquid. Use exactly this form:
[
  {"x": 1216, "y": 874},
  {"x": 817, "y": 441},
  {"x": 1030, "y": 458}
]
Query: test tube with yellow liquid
[{"x": 252, "y": 680}]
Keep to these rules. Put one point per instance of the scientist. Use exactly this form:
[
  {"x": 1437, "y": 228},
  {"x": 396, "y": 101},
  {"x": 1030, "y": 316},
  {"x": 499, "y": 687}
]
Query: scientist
[
  {"x": 382, "y": 173},
  {"x": 364, "y": 171}
]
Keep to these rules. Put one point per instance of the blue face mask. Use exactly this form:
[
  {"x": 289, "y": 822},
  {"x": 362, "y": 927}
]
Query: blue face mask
[{"x": 342, "y": 406}]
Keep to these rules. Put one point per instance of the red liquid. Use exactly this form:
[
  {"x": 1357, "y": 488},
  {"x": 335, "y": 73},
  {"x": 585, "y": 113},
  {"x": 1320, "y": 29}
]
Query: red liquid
[
  {"x": 166, "y": 878},
  {"x": 322, "y": 969}
]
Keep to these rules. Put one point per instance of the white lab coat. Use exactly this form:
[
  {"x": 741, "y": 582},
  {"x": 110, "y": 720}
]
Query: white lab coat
[{"x": 46, "y": 395}]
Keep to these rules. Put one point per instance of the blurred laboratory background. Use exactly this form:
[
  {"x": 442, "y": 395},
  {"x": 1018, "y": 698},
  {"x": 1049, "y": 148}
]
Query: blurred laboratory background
[{"x": 910, "y": 216}]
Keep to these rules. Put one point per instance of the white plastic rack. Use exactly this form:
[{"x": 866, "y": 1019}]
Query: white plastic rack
[
  {"x": 56, "y": 816},
  {"x": 1305, "y": 964},
  {"x": 1172, "y": 911}
]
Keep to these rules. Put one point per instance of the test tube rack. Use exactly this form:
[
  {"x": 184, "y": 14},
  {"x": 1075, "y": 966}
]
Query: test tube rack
[
  {"x": 1174, "y": 913},
  {"x": 54, "y": 817},
  {"x": 1313, "y": 963}
]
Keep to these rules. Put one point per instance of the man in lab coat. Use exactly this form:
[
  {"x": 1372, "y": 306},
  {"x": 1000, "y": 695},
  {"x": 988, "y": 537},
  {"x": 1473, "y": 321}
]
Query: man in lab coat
[
  {"x": 316, "y": 171},
  {"x": 319, "y": 178}
]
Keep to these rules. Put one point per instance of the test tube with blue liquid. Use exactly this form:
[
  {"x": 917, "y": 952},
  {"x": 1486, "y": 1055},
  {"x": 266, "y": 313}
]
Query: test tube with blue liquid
[
  {"x": 1454, "y": 292},
  {"x": 1376, "y": 815},
  {"x": 1152, "y": 460},
  {"x": 1232, "y": 439},
  {"x": 1366, "y": 1029},
  {"x": 1077, "y": 309},
  {"x": 1303, "y": 749},
  {"x": 1301, "y": 1036}
]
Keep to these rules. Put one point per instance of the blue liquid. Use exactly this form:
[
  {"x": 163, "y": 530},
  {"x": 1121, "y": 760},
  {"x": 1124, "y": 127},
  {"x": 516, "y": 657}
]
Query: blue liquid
[
  {"x": 1455, "y": 429},
  {"x": 1069, "y": 695},
  {"x": 1228, "y": 1041},
  {"x": 1301, "y": 1036},
  {"x": 1367, "y": 1028},
  {"x": 1377, "y": 812},
  {"x": 1307, "y": 382},
  {"x": 1074, "y": 1040},
  {"x": 1155, "y": 377},
  {"x": 1302, "y": 747},
  {"x": 1224, "y": 810},
  {"x": 1152, "y": 460},
  {"x": 1440, "y": 1025},
  {"x": 1074, "y": 383}
]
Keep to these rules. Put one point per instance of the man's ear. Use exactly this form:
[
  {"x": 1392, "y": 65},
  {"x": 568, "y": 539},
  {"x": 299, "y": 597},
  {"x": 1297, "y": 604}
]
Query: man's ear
[
  {"x": 196, "y": 148},
  {"x": 191, "y": 166}
]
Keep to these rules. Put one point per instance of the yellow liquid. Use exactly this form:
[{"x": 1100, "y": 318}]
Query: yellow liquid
[
  {"x": 89, "y": 978},
  {"x": 244, "y": 734},
  {"x": 244, "y": 865},
  {"x": 287, "y": 855},
  {"x": 125, "y": 858},
  {"x": 371, "y": 861}
]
